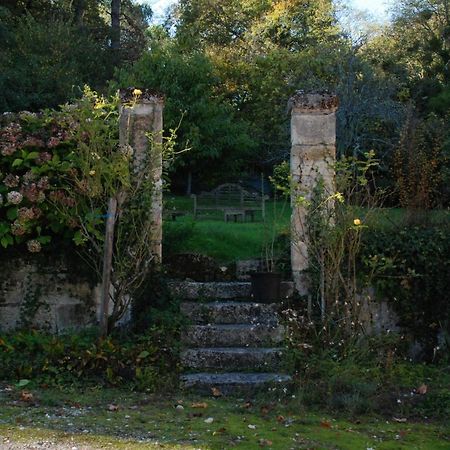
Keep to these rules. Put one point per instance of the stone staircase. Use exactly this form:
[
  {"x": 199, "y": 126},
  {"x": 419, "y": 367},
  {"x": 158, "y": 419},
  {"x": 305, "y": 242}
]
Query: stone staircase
[{"x": 231, "y": 344}]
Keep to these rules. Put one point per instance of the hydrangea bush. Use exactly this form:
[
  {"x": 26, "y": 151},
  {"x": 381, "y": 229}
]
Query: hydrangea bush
[{"x": 53, "y": 166}]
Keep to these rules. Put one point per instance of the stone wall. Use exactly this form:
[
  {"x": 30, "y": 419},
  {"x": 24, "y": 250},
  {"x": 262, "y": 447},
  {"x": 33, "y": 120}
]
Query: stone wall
[{"x": 46, "y": 292}]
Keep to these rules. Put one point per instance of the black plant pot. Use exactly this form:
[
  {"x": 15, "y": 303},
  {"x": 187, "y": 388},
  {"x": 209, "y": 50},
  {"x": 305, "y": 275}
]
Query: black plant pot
[{"x": 266, "y": 287}]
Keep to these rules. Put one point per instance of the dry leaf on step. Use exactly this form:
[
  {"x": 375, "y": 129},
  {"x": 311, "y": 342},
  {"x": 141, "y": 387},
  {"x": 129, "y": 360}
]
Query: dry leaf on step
[
  {"x": 26, "y": 396},
  {"x": 423, "y": 389},
  {"x": 216, "y": 392},
  {"x": 201, "y": 405}
]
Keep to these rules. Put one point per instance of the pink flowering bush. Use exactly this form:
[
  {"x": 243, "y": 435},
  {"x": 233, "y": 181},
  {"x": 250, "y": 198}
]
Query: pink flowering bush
[{"x": 47, "y": 172}]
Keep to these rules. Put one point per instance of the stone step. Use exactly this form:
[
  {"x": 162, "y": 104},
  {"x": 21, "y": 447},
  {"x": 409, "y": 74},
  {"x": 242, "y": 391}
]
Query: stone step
[
  {"x": 234, "y": 383},
  {"x": 232, "y": 359},
  {"x": 233, "y": 335},
  {"x": 194, "y": 290},
  {"x": 230, "y": 312}
]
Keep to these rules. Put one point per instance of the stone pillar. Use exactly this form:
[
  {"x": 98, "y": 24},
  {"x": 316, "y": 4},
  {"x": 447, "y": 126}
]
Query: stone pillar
[
  {"x": 313, "y": 153},
  {"x": 140, "y": 129}
]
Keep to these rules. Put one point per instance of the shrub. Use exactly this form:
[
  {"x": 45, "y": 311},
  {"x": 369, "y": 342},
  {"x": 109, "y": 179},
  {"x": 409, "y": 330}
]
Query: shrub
[
  {"x": 46, "y": 62},
  {"x": 147, "y": 361},
  {"x": 411, "y": 267},
  {"x": 53, "y": 164}
]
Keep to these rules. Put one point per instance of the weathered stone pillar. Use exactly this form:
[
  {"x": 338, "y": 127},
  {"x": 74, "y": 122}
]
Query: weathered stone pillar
[
  {"x": 313, "y": 153},
  {"x": 141, "y": 125}
]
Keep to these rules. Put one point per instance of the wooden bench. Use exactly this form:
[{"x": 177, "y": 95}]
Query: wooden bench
[{"x": 232, "y": 200}]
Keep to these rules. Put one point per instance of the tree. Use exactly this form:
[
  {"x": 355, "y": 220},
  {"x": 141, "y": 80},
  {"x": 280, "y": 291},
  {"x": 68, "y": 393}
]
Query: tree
[
  {"x": 219, "y": 144},
  {"x": 115, "y": 28},
  {"x": 416, "y": 49}
]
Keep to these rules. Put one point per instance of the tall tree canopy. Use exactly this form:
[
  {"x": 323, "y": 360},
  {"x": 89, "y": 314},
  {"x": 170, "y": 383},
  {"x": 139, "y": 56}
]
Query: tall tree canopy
[{"x": 51, "y": 49}]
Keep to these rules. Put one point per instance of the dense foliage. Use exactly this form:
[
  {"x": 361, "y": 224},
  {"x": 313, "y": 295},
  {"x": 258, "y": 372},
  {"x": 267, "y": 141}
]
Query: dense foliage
[
  {"x": 411, "y": 267},
  {"x": 53, "y": 165},
  {"x": 51, "y": 49},
  {"x": 228, "y": 68},
  {"x": 143, "y": 360}
]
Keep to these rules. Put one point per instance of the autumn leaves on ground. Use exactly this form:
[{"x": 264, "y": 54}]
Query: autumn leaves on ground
[{"x": 111, "y": 418}]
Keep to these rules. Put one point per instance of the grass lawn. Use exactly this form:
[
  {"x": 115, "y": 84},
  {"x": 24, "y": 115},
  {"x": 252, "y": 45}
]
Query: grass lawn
[
  {"x": 112, "y": 418},
  {"x": 228, "y": 242}
]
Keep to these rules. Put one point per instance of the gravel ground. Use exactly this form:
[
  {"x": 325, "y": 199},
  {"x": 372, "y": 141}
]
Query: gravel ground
[{"x": 6, "y": 444}]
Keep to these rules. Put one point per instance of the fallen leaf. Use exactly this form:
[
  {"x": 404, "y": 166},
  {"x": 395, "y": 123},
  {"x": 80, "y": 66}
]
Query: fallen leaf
[
  {"x": 26, "y": 396},
  {"x": 247, "y": 405},
  {"x": 325, "y": 424},
  {"x": 265, "y": 443},
  {"x": 209, "y": 420},
  {"x": 399, "y": 420},
  {"x": 219, "y": 431},
  {"x": 216, "y": 392},
  {"x": 422, "y": 390},
  {"x": 202, "y": 405},
  {"x": 280, "y": 419},
  {"x": 264, "y": 410},
  {"x": 252, "y": 427},
  {"x": 113, "y": 407}
]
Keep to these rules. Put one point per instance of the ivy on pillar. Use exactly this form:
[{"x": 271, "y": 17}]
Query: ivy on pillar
[
  {"x": 140, "y": 129},
  {"x": 313, "y": 154}
]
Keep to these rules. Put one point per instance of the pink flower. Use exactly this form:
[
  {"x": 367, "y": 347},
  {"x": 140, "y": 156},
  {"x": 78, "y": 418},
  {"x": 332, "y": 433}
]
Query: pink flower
[
  {"x": 18, "y": 229},
  {"x": 43, "y": 158},
  {"x": 29, "y": 176},
  {"x": 37, "y": 212},
  {"x": 31, "y": 192},
  {"x": 11, "y": 180},
  {"x": 25, "y": 214},
  {"x": 14, "y": 197},
  {"x": 43, "y": 183},
  {"x": 53, "y": 142},
  {"x": 8, "y": 150},
  {"x": 34, "y": 246},
  {"x": 33, "y": 141}
]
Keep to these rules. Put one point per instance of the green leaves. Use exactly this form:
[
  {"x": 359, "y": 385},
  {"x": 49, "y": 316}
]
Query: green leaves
[
  {"x": 6, "y": 241},
  {"x": 11, "y": 213}
]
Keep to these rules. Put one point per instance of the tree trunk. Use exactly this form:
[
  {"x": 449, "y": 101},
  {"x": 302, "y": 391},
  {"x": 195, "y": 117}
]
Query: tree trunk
[
  {"x": 115, "y": 29},
  {"x": 107, "y": 266},
  {"x": 79, "y": 7},
  {"x": 189, "y": 184}
]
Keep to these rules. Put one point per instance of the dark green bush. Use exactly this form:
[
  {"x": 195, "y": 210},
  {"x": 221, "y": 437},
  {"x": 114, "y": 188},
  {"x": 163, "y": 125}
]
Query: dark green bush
[
  {"x": 47, "y": 62},
  {"x": 411, "y": 268},
  {"x": 146, "y": 361}
]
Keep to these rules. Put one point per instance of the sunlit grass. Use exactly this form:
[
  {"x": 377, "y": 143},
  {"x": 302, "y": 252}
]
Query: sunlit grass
[{"x": 231, "y": 241}]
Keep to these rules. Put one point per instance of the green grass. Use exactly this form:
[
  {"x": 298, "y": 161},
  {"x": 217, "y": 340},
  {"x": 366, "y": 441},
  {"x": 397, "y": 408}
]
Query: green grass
[
  {"x": 228, "y": 242},
  {"x": 141, "y": 421}
]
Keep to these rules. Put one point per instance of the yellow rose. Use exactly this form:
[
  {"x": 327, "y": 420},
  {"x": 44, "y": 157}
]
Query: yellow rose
[
  {"x": 137, "y": 92},
  {"x": 357, "y": 222},
  {"x": 92, "y": 172}
]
